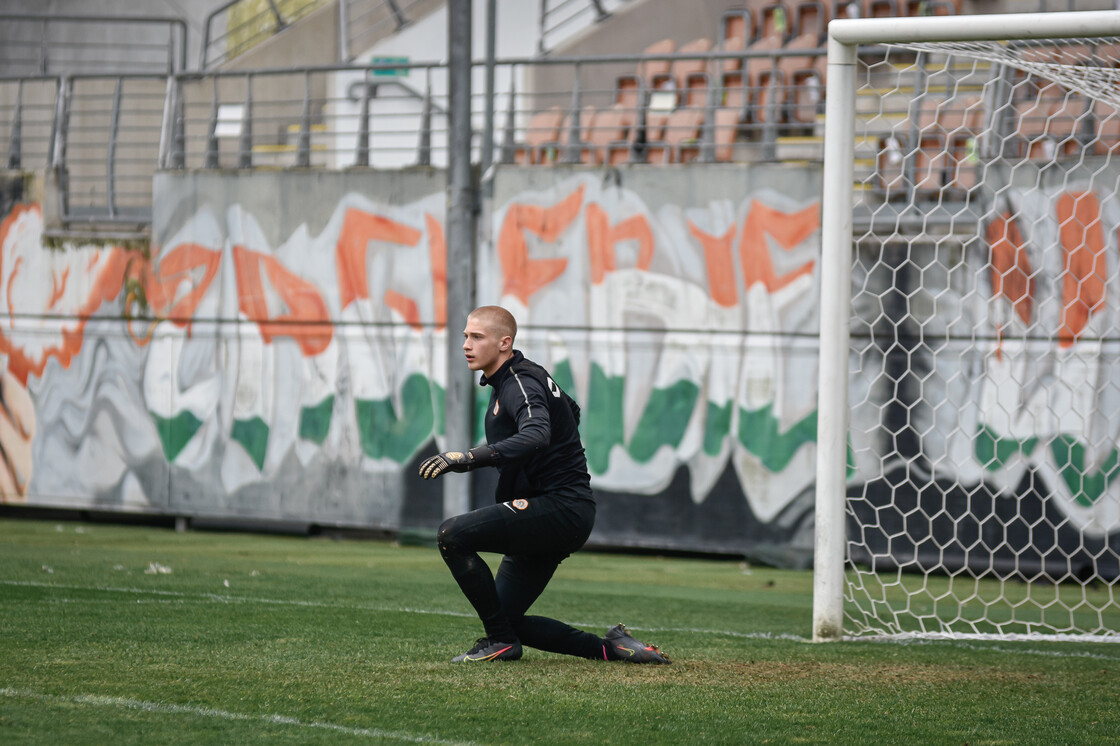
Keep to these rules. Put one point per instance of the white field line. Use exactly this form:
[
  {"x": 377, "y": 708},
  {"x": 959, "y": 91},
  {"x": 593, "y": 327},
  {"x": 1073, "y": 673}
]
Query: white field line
[
  {"x": 181, "y": 597},
  {"x": 94, "y": 700}
]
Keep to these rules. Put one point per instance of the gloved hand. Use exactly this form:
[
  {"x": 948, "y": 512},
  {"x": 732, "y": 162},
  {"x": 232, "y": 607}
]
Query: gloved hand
[{"x": 456, "y": 461}]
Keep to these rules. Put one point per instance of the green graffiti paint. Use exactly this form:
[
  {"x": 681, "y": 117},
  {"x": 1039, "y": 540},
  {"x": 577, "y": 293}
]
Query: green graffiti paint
[
  {"x": 717, "y": 424},
  {"x": 1087, "y": 489},
  {"x": 562, "y": 375},
  {"x": 603, "y": 419},
  {"x": 994, "y": 451},
  {"x": 664, "y": 419},
  {"x": 315, "y": 422},
  {"x": 175, "y": 432},
  {"x": 759, "y": 432},
  {"x": 252, "y": 434},
  {"x": 384, "y": 434},
  {"x": 481, "y": 402},
  {"x": 439, "y": 407}
]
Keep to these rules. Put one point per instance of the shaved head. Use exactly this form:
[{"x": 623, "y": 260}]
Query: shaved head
[{"x": 497, "y": 319}]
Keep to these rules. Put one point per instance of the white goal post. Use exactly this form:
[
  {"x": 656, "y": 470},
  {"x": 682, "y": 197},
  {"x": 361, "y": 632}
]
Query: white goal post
[{"x": 980, "y": 427}]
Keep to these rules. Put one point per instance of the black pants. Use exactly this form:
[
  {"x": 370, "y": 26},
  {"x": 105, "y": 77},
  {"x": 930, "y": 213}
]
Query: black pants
[{"x": 535, "y": 536}]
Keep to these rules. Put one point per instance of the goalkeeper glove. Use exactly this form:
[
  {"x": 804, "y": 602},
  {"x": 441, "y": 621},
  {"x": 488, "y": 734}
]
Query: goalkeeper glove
[{"x": 457, "y": 461}]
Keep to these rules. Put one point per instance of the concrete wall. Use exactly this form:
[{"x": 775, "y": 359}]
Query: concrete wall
[{"x": 279, "y": 353}]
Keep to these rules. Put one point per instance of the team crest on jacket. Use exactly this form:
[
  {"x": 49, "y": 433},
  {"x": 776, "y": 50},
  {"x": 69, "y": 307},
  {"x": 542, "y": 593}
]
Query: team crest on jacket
[
  {"x": 520, "y": 503},
  {"x": 495, "y": 408}
]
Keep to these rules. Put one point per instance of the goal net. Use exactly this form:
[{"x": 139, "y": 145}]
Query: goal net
[{"x": 969, "y": 444}]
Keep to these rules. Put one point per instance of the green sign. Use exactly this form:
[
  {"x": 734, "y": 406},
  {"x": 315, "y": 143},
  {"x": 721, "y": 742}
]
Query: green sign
[{"x": 393, "y": 72}]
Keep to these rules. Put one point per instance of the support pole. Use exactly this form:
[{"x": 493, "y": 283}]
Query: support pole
[
  {"x": 460, "y": 249},
  {"x": 491, "y": 53},
  {"x": 832, "y": 412}
]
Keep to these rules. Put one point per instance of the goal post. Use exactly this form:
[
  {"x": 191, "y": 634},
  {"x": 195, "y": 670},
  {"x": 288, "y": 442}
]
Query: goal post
[{"x": 957, "y": 233}]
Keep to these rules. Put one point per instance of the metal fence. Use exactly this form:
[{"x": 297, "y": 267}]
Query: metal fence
[
  {"x": 32, "y": 44},
  {"x": 106, "y": 135},
  {"x": 560, "y": 18},
  {"x": 237, "y": 26}
]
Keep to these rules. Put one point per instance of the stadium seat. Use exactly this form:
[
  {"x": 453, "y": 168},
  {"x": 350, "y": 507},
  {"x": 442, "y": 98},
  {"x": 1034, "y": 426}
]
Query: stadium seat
[
  {"x": 1107, "y": 119},
  {"x": 570, "y": 150},
  {"x": 725, "y": 130},
  {"x": 772, "y": 18},
  {"x": 542, "y": 134},
  {"x": 647, "y": 69},
  {"x": 737, "y": 23},
  {"x": 609, "y": 136},
  {"x": 811, "y": 16},
  {"x": 1047, "y": 124},
  {"x": 763, "y": 81},
  {"x": 946, "y": 154},
  {"x": 680, "y": 138},
  {"x": 961, "y": 123},
  {"x": 803, "y": 79},
  {"x": 679, "y": 70},
  {"x": 865, "y": 9}
]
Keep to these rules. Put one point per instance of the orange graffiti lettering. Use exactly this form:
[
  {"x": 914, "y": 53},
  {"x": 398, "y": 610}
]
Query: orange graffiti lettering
[
  {"x": 1079, "y": 230},
  {"x": 1011, "y": 268},
  {"x": 358, "y": 229},
  {"x": 788, "y": 229},
  {"x": 437, "y": 251},
  {"x": 59, "y": 288},
  {"x": 522, "y": 275},
  {"x": 405, "y": 306},
  {"x": 602, "y": 238},
  {"x": 717, "y": 259},
  {"x": 307, "y": 320},
  {"x": 106, "y": 286},
  {"x": 181, "y": 265}
]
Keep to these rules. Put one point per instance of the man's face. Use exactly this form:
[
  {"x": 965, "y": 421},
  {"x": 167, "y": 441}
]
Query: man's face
[{"x": 482, "y": 346}]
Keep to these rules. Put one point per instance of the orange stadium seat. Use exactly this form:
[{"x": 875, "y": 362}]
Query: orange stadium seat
[
  {"x": 609, "y": 136},
  {"x": 810, "y": 17},
  {"x": 542, "y": 133},
  {"x": 803, "y": 80},
  {"x": 737, "y": 23},
  {"x": 1107, "y": 128},
  {"x": 865, "y": 9},
  {"x": 679, "y": 70},
  {"x": 681, "y": 134},
  {"x": 763, "y": 79},
  {"x": 772, "y": 17}
]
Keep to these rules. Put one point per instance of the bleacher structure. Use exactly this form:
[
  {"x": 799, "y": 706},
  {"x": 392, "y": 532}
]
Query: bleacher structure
[{"x": 751, "y": 91}]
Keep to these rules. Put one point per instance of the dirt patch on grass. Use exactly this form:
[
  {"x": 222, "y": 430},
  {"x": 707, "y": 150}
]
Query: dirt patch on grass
[{"x": 849, "y": 674}]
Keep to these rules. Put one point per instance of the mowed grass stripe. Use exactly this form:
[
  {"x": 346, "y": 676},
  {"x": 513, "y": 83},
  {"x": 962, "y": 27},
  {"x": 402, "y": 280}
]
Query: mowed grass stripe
[
  {"x": 160, "y": 708},
  {"x": 179, "y": 597}
]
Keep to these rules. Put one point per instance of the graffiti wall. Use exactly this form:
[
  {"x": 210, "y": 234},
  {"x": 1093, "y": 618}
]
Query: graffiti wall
[
  {"x": 279, "y": 352},
  {"x": 986, "y": 391}
]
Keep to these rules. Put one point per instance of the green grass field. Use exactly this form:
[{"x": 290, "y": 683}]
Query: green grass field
[{"x": 116, "y": 635}]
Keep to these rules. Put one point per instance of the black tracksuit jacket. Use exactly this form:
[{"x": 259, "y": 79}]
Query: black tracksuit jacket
[{"x": 533, "y": 425}]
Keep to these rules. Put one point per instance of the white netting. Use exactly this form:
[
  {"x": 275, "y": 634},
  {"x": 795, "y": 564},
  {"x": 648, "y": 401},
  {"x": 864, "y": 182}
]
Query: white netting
[{"x": 984, "y": 441}]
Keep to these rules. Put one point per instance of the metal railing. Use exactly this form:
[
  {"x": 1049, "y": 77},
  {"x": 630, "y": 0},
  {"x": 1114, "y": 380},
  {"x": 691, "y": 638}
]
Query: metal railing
[
  {"x": 27, "y": 111},
  {"x": 106, "y": 135},
  {"x": 34, "y": 44},
  {"x": 237, "y": 26},
  {"x": 560, "y": 18},
  {"x": 106, "y": 147}
]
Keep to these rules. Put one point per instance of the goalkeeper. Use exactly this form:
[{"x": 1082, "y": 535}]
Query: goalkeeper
[{"x": 544, "y": 508}]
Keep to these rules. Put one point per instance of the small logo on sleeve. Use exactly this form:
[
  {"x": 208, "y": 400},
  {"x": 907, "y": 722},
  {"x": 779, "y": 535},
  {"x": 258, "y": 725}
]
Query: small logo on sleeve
[{"x": 520, "y": 503}]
